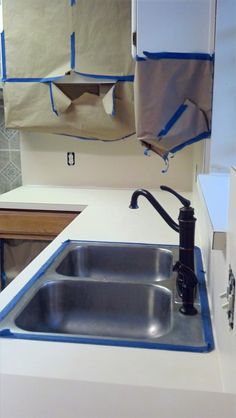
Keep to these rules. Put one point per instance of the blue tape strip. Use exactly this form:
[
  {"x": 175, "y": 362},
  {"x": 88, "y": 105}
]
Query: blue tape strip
[
  {"x": 109, "y": 77},
  {"x": 3, "y": 54},
  {"x": 33, "y": 80},
  {"x": 113, "y": 102},
  {"x": 52, "y": 99},
  {"x": 197, "y": 138},
  {"x": 48, "y": 79},
  {"x": 179, "y": 55},
  {"x": 147, "y": 152},
  {"x": 173, "y": 120},
  {"x": 6, "y": 333},
  {"x": 205, "y": 315},
  {"x": 72, "y": 49}
]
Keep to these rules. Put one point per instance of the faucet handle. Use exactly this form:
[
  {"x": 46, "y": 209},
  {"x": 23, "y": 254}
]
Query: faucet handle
[{"x": 185, "y": 202}]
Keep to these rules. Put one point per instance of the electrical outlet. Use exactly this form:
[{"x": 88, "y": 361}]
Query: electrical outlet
[{"x": 70, "y": 158}]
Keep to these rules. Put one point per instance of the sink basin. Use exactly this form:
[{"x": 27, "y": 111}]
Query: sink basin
[
  {"x": 106, "y": 309},
  {"x": 125, "y": 262},
  {"x": 113, "y": 294}
]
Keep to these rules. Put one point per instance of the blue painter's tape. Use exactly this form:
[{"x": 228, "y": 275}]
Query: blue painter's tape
[
  {"x": 6, "y": 333},
  {"x": 52, "y": 99},
  {"x": 179, "y": 55},
  {"x": 113, "y": 102},
  {"x": 72, "y": 50},
  {"x": 173, "y": 120},
  {"x": 205, "y": 316},
  {"x": 3, "y": 53},
  {"x": 191, "y": 141},
  {"x": 33, "y": 80},
  {"x": 147, "y": 152},
  {"x": 99, "y": 341},
  {"x": 109, "y": 77}
]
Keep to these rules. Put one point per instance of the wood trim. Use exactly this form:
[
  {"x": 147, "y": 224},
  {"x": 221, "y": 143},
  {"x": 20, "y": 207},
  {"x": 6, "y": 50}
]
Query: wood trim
[{"x": 31, "y": 224}]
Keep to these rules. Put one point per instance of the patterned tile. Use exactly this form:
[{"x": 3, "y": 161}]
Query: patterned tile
[
  {"x": 10, "y": 171},
  {"x": 15, "y": 158},
  {"x": 4, "y": 159},
  {"x": 10, "y": 163},
  {"x": 5, "y": 185},
  {"x": 9, "y": 138},
  {"x": 14, "y": 141},
  {"x": 7, "y": 133},
  {"x": 4, "y": 143},
  {"x": 17, "y": 182}
]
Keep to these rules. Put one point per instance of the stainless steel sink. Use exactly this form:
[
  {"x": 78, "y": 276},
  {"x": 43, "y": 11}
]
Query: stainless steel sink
[
  {"x": 108, "y": 293},
  {"x": 106, "y": 309},
  {"x": 125, "y": 262}
]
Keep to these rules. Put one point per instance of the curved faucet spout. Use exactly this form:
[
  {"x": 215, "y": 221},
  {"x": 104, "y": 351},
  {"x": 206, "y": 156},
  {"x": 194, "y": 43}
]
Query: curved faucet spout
[{"x": 155, "y": 204}]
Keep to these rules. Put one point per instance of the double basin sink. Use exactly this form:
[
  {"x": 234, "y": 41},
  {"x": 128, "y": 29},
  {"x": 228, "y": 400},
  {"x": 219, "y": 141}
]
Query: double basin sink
[{"x": 112, "y": 294}]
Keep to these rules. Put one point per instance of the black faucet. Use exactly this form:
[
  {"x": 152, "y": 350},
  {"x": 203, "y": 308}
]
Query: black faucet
[{"x": 186, "y": 280}]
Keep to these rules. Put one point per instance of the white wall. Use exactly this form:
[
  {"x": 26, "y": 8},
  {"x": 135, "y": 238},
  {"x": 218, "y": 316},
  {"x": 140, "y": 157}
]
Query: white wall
[
  {"x": 223, "y": 147},
  {"x": 121, "y": 164}
]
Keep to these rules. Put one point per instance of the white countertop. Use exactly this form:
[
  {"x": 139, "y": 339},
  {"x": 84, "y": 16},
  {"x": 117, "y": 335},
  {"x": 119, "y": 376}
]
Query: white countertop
[{"x": 105, "y": 217}]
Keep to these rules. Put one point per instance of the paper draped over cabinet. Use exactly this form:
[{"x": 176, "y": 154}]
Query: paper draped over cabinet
[
  {"x": 87, "y": 111},
  {"x": 44, "y": 41},
  {"x": 47, "y": 39},
  {"x": 173, "y": 101}
]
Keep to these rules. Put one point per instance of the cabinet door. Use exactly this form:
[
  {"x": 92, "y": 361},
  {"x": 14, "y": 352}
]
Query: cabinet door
[
  {"x": 185, "y": 26},
  {"x": 31, "y": 224}
]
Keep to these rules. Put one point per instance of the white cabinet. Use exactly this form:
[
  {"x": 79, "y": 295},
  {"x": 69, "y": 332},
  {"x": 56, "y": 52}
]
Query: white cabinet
[{"x": 185, "y": 26}]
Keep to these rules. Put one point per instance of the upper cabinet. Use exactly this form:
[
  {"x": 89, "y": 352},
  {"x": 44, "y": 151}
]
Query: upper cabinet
[
  {"x": 47, "y": 43},
  {"x": 173, "y": 43},
  {"x": 46, "y": 40},
  {"x": 174, "y": 26}
]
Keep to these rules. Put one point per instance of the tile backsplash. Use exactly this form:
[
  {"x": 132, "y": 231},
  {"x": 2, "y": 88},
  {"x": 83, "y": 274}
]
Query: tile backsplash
[{"x": 10, "y": 162}]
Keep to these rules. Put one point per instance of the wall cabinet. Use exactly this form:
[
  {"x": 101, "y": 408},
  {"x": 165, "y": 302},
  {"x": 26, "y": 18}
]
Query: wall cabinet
[
  {"x": 174, "y": 25},
  {"x": 89, "y": 39}
]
